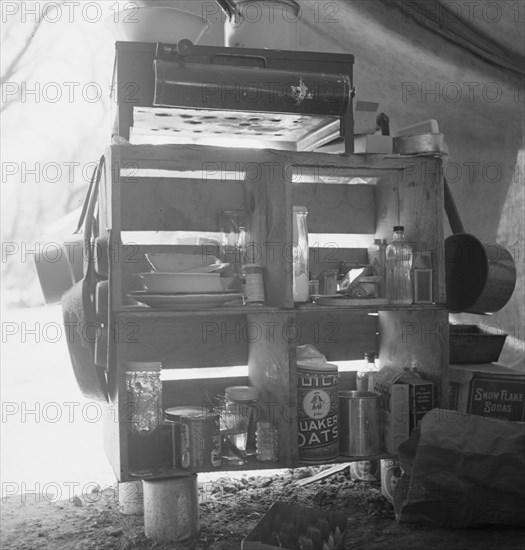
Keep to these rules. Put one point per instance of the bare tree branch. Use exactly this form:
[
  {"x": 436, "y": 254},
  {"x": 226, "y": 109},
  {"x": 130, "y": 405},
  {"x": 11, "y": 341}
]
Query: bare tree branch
[{"x": 15, "y": 64}]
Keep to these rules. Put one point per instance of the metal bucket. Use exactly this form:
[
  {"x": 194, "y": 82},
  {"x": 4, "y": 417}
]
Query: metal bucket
[
  {"x": 171, "y": 508},
  {"x": 360, "y": 425},
  {"x": 317, "y": 415},
  {"x": 480, "y": 278}
]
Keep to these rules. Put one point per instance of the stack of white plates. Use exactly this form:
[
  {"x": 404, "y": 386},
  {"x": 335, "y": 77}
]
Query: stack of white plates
[{"x": 183, "y": 291}]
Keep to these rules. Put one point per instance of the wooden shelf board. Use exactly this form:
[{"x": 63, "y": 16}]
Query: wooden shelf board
[
  {"x": 371, "y": 308},
  {"x": 145, "y": 312},
  {"x": 253, "y": 464},
  {"x": 135, "y": 312},
  {"x": 189, "y": 157}
]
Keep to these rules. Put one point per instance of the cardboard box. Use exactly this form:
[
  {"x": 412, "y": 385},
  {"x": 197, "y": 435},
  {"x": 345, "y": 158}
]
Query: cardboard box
[
  {"x": 487, "y": 389},
  {"x": 373, "y": 143},
  {"x": 282, "y": 516},
  {"x": 421, "y": 399},
  {"x": 404, "y": 400},
  {"x": 394, "y": 408},
  {"x": 365, "y": 117}
]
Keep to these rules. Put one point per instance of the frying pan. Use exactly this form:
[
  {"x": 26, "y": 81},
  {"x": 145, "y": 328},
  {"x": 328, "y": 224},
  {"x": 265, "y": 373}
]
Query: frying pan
[{"x": 480, "y": 278}]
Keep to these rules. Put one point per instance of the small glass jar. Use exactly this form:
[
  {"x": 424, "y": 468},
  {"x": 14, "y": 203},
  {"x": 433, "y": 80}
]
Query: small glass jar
[{"x": 267, "y": 442}]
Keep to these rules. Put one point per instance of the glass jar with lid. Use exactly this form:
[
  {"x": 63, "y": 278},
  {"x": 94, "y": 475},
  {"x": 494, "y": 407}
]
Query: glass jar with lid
[
  {"x": 144, "y": 415},
  {"x": 238, "y": 419}
]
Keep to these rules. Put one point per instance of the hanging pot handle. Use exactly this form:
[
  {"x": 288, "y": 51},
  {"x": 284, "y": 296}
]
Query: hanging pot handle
[{"x": 452, "y": 212}]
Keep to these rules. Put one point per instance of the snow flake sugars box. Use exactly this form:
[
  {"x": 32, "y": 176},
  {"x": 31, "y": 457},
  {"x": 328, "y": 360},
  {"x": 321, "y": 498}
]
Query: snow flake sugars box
[{"x": 487, "y": 389}]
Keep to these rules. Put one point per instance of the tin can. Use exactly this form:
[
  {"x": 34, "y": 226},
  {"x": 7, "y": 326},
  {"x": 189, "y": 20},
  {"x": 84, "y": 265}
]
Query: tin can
[
  {"x": 365, "y": 470},
  {"x": 313, "y": 287},
  {"x": 253, "y": 284},
  {"x": 390, "y": 476},
  {"x": 171, "y": 508},
  {"x": 328, "y": 282},
  {"x": 360, "y": 423},
  {"x": 131, "y": 498},
  {"x": 317, "y": 414},
  {"x": 196, "y": 439}
]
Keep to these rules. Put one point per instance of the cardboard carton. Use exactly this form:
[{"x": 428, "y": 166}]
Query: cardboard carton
[
  {"x": 373, "y": 143},
  {"x": 365, "y": 117},
  {"x": 421, "y": 399},
  {"x": 404, "y": 399},
  {"x": 394, "y": 408},
  {"x": 487, "y": 389}
]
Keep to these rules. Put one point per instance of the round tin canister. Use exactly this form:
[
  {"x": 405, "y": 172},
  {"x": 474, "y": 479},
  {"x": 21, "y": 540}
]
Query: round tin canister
[
  {"x": 390, "y": 476},
  {"x": 317, "y": 414},
  {"x": 196, "y": 438},
  {"x": 360, "y": 433},
  {"x": 365, "y": 470},
  {"x": 171, "y": 508},
  {"x": 131, "y": 498}
]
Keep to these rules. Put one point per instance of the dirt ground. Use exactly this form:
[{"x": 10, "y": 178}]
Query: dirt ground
[{"x": 229, "y": 508}]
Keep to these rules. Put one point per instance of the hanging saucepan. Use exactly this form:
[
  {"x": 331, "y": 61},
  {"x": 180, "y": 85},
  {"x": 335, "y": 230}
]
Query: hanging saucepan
[{"x": 480, "y": 278}]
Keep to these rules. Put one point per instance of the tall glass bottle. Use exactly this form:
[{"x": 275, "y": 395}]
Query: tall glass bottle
[
  {"x": 399, "y": 258},
  {"x": 301, "y": 280},
  {"x": 377, "y": 259}
]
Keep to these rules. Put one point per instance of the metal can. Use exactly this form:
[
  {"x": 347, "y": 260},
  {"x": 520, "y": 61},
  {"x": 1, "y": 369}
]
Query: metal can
[
  {"x": 328, "y": 282},
  {"x": 365, "y": 470},
  {"x": 317, "y": 415},
  {"x": 253, "y": 284},
  {"x": 171, "y": 508},
  {"x": 390, "y": 476},
  {"x": 360, "y": 423},
  {"x": 196, "y": 438}
]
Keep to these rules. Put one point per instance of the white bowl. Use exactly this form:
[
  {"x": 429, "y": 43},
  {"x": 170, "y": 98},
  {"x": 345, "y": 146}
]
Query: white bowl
[
  {"x": 156, "y": 24},
  {"x": 172, "y": 283}
]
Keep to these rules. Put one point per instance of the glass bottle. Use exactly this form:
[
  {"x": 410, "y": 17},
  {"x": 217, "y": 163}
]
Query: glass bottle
[
  {"x": 399, "y": 258},
  {"x": 363, "y": 374},
  {"x": 267, "y": 443},
  {"x": 377, "y": 259},
  {"x": 301, "y": 291},
  {"x": 233, "y": 243}
]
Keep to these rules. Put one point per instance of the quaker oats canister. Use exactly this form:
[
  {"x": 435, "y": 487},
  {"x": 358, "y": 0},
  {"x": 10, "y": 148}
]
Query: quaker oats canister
[{"x": 317, "y": 412}]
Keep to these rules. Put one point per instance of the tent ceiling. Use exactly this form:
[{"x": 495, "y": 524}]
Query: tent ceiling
[
  {"x": 499, "y": 26},
  {"x": 503, "y": 21}
]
